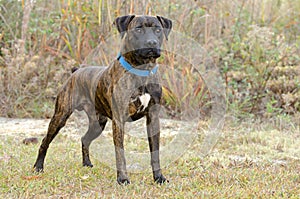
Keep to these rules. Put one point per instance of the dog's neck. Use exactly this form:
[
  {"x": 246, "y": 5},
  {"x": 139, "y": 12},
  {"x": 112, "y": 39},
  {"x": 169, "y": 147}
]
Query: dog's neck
[{"x": 139, "y": 62}]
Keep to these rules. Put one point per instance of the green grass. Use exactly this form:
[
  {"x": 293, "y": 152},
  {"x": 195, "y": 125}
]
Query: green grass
[{"x": 248, "y": 162}]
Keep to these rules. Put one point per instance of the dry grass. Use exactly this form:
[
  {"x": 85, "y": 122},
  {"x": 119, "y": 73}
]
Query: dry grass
[{"x": 61, "y": 34}]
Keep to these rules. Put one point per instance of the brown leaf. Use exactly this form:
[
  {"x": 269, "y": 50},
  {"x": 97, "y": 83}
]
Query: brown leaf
[{"x": 31, "y": 177}]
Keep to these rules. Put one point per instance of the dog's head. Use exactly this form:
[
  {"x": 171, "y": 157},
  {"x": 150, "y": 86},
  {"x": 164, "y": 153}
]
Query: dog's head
[{"x": 143, "y": 35}]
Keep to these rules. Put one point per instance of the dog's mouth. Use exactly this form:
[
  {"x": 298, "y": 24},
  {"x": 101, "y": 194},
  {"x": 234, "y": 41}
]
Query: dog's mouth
[{"x": 149, "y": 52}]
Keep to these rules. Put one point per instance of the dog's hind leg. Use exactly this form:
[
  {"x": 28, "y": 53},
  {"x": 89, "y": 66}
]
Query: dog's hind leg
[
  {"x": 63, "y": 110},
  {"x": 96, "y": 125}
]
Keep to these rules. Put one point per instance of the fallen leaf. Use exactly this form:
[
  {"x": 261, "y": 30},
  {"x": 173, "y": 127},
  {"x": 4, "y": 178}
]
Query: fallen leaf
[{"x": 31, "y": 177}]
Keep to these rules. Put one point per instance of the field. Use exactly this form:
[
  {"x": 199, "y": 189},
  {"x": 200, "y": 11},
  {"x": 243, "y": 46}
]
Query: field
[
  {"x": 251, "y": 160},
  {"x": 230, "y": 73}
]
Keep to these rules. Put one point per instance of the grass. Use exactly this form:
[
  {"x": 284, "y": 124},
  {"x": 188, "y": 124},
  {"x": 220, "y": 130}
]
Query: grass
[{"x": 250, "y": 161}]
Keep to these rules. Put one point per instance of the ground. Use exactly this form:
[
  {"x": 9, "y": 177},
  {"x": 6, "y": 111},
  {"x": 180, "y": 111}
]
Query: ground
[{"x": 250, "y": 160}]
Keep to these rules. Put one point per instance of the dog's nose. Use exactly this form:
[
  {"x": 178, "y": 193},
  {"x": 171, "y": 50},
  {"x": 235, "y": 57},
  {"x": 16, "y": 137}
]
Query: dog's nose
[{"x": 151, "y": 43}]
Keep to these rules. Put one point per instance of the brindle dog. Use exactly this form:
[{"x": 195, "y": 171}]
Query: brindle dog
[{"x": 117, "y": 92}]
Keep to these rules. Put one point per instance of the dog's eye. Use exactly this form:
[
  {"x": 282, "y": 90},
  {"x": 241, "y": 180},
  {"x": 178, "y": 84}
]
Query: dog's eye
[
  {"x": 138, "y": 30},
  {"x": 157, "y": 30}
]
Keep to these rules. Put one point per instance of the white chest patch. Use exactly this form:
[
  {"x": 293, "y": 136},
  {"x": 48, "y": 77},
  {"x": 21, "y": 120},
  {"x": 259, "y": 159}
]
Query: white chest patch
[{"x": 144, "y": 99}]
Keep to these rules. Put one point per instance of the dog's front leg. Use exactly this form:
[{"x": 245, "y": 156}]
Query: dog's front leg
[
  {"x": 118, "y": 136},
  {"x": 153, "y": 131}
]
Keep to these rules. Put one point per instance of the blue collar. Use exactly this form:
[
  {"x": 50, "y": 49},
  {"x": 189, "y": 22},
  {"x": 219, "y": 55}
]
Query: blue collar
[{"x": 138, "y": 72}]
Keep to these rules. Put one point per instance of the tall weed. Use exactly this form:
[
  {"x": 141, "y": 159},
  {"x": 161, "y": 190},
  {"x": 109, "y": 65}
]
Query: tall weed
[{"x": 254, "y": 43}]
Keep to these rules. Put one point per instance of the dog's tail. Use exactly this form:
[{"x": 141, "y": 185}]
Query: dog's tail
[{"x": 74, "y": 69}]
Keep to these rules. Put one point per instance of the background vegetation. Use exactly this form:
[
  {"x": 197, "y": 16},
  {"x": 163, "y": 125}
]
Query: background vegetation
[{"x": 255, "y": 44}]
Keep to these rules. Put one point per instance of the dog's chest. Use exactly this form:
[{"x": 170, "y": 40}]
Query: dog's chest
[
  {"x": 139, "y": 103},
  {"x": 144, "y": 100}
]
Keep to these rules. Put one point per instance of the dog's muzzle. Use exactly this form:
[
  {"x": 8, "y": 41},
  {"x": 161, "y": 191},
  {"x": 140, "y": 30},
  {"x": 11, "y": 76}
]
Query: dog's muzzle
[{"x": 148, "y": 52}]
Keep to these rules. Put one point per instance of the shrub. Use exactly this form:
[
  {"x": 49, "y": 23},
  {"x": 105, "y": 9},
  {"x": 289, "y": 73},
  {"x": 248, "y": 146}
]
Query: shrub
[{"x": 262, "y": 74}]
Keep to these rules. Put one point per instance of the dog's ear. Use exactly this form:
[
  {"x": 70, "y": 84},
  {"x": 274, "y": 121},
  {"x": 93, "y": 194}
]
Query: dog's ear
[
  {"x": 122, "y": 23},
  {"x": 166, "y": 24}
]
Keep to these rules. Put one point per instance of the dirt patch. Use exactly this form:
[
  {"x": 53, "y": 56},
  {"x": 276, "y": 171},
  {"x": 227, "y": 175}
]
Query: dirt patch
[
  {"x": 77, "y": 125},
  {"x": 9, "y": 126}
]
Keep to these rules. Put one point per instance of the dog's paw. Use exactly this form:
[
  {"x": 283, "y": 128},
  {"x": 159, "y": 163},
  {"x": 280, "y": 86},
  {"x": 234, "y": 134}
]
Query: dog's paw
[
  {"x": 160, "y": 179},
  {"x": 38, "y": 169},
  {"x": 87, "y": 164},
  {"x": 123, "y": 181}
]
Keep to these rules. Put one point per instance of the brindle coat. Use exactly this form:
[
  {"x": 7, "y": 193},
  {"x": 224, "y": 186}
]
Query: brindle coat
[{"x": 112, "y": 92}]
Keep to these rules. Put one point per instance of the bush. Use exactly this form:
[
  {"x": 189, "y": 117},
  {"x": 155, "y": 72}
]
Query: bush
[{"x": 262, "y": 74}]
